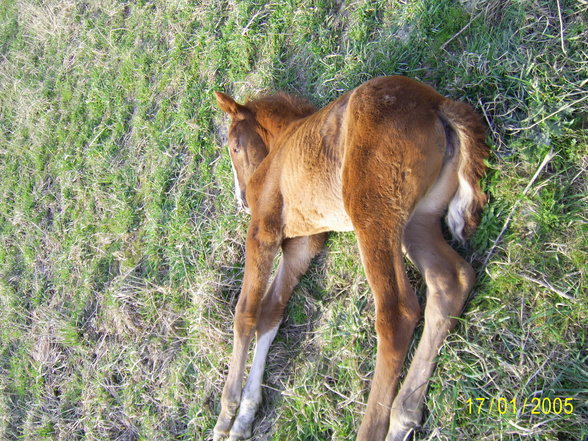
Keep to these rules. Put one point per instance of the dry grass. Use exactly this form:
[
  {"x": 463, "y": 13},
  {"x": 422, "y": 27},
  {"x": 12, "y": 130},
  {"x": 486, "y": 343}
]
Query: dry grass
[{"x": 121, "y": 250}]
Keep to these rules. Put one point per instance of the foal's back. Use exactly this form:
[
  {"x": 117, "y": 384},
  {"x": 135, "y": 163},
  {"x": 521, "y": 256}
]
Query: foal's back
[{"x": 387, "y": 127}]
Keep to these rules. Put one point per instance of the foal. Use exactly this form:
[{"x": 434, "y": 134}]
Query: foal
[{"x": 385, "y": 160}]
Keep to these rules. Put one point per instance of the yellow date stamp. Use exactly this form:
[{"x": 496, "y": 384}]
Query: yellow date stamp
[{"x": 533, "y": 405}]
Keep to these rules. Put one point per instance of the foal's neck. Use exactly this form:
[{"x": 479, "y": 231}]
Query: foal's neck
[{"x": 274, "y": 113}]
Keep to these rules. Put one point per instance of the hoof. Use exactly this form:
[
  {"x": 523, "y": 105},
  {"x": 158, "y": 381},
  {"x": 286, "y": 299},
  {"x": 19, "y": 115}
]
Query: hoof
[
  {"x": 402, "y": 424},
  {"x": 234, "y": 436},
  {"x": 217, "y": 436},
  {"x": 222, "y": 428},
  {"x": 241, "y": 430},
  {"x": 400, "y": 434}
]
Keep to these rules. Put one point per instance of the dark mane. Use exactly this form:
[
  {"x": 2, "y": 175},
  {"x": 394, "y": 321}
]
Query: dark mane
[{"x": 283, "y": 105}]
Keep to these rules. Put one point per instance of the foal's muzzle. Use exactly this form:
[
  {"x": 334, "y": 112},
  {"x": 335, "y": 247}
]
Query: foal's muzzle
[{"x": 242, "y": 202}]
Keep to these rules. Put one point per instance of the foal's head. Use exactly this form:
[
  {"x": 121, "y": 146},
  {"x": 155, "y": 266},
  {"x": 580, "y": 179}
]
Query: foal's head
[
  {"x": 253, "y": 128},
  {"x": 247, "y": 143}
]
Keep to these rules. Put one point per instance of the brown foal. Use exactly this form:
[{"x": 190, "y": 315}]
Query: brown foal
[{"x": 385, "y": 160}]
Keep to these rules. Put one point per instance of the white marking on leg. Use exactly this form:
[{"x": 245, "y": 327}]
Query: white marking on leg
[{"x": 251, "y": 397}]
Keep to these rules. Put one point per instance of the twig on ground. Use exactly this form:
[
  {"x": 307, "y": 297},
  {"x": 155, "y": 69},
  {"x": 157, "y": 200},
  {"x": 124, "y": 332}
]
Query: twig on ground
[
  {"x": 348, "y": 399},
  {"x": 495, "y": 134},
  {"x": 460, "y": 31},
  {"x": 561, "y": 109},
  {"x": 546, "y": 284},
  {"x": 561, "y": 32}
]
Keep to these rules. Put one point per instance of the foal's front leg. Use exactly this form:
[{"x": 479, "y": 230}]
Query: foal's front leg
[
  {"x": 298, "y": 252},
  {"x": 260, "y": 250}
]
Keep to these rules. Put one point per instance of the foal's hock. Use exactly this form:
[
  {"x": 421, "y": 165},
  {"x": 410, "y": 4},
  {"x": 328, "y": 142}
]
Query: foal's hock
[{"x": 386, "y": 160}]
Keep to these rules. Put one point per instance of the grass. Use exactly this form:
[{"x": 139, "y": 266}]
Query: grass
[{"x": 121, "y": 249}]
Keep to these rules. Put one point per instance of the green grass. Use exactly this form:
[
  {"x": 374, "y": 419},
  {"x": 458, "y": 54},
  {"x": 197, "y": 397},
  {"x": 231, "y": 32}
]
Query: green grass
[{"x": 121, "y": 249}]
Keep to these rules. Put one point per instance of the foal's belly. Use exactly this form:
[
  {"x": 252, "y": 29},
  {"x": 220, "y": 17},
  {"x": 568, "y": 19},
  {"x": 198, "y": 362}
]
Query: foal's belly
[
  {"x": 311, "y": 189},
  {"x": 315, "y": 213}
]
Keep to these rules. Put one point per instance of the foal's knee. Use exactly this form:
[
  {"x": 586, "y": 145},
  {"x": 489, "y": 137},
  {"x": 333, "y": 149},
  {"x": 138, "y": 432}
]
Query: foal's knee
[
  {"x": 245, "y": 324},
  {"x": 410, "y": 310},
  {"x": 449, "y": 284}
]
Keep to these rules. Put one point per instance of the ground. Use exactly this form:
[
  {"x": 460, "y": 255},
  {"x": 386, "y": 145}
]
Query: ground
[{"x": 121, "y": 247}]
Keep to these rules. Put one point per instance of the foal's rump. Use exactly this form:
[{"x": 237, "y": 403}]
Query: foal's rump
[
  {"x": 421, "y": 151},
  {"x": 395, "y": 145}
]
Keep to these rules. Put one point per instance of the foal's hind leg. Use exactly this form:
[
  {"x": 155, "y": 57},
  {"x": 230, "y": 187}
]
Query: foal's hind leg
[
  {"x": 449, "y": 279},
  {"x": 397, "y": 312},
  {"x": 298, "y": 253}
]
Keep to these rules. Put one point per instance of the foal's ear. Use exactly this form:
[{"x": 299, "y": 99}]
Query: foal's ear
[{"x": 230, "y": 106}]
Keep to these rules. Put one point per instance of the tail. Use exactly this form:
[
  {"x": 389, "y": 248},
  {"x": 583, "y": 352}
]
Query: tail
[{"x": 465, "y": 206}]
